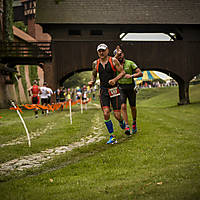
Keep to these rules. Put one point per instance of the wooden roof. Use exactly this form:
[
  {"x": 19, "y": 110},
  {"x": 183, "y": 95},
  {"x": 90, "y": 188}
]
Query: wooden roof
[
  {"x": 118, "y": 12},
  {"x": 22, "y": 35}
]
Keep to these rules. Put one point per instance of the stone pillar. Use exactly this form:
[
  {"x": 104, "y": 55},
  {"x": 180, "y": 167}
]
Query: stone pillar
[{"x": 183, "y": 92}]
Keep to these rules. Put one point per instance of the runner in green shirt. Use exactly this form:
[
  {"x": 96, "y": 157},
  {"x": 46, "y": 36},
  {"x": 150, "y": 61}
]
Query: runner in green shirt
[{"x": 126, "y": 87}]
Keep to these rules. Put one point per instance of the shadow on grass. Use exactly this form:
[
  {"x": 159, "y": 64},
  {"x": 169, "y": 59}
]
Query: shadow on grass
[{"x": 195, "y": 103}]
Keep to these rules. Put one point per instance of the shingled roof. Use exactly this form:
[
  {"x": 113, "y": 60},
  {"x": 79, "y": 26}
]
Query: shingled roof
[{"x": 118, "y": 12}]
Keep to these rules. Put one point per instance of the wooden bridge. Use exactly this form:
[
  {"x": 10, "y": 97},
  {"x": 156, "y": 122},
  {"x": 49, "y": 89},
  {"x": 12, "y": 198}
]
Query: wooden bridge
[
  {"x": 77, "y": 27},
  {"x": 31, "y": 53}
]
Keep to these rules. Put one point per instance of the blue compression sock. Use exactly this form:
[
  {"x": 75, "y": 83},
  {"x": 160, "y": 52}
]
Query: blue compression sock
[{"x": 109, "y": 126}]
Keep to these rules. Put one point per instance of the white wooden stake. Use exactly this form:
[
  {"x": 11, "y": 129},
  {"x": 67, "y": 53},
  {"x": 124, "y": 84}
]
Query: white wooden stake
[
  {"x": 70, "y": 111},
  {"x": 28, "y": 136},
  {"x": 81, "y": 105}
]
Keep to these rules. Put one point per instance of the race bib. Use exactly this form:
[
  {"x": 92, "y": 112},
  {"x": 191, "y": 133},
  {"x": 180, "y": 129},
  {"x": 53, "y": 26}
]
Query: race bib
[{"x": 113, "y": 92}]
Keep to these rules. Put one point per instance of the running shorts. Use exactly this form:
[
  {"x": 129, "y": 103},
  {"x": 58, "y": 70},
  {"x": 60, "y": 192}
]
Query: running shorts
[
  {"x": 127, "y": 92},
  {"x": 49, "y": 100},
  {"x": 44, "y": 101},
  {"x": 35, "y": 100},
  {"x": 106, "y": 100}
]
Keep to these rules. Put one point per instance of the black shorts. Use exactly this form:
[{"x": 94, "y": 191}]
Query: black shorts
[
  {"x": 57, "y": 100},
  {"x": 62, "y": 100},
  {"x": 106, "y": 100},
  {"x": 49, "y": 100},
  {"x": 127, "y": 91},
  {"x": 44, "y": 101},
  {"x": 35, "y": 100}
]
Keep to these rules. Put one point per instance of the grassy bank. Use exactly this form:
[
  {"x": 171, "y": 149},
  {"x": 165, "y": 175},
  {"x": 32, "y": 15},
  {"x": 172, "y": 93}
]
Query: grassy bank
[{"x": 160, "y": 162}]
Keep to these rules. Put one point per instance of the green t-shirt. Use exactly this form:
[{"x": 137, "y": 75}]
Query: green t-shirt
[{"x": 129, "y": 68}]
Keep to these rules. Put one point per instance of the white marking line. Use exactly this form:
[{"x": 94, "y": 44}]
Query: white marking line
[
  {"x": 38, "y": 159},
  {"x": 33, "y": 134}
]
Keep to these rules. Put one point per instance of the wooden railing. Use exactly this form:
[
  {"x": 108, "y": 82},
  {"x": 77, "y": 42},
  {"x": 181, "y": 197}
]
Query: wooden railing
[{"x": 24, "y": 50}]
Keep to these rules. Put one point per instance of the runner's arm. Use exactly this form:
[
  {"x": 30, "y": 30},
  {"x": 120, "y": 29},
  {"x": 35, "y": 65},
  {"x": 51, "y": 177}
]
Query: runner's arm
[
  {"x": 138, "y": 73},
  {"x": 94, "y": 74},
  {"x": 120, "y": 69},
  {"x": 29, "y": 91}
]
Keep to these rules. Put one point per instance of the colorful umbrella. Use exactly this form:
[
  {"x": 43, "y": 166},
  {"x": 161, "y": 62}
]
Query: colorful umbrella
[{"x": 147, "y": 76}]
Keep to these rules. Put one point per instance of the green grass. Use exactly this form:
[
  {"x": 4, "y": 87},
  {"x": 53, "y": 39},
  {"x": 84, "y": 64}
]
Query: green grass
[{"x": 160, "y": 162}]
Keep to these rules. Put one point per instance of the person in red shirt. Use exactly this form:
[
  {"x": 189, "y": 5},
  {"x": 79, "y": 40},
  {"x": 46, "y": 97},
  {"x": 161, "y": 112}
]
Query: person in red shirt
[{"x": 35, "y": 90}]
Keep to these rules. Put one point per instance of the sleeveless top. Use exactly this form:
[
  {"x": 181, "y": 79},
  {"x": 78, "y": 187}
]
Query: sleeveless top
[
  {"x": 106, "y": 74},
  {"x": 35, "y": 90}
]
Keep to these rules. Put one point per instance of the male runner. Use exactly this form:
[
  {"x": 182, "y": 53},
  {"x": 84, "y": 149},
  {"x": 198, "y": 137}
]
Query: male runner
[
  {"x": 44, "y": 96},
  {"x": 126, "y": 87},
  {"x": 50, "y": 93},
  {"x": 107, "y": 67},
  {"x": 35, "y": 90}
]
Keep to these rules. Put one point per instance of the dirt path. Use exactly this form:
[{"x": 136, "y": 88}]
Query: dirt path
[{"x": 38, "y": 159}]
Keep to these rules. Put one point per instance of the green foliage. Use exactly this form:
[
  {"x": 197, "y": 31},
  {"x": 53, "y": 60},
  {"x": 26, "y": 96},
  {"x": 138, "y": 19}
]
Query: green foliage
[
  {"x": 8, "y": 20},
  {"x": 78, "y": 79},
  {"x": 21, "y": 25},
  {"x": 33, "y": 73}
]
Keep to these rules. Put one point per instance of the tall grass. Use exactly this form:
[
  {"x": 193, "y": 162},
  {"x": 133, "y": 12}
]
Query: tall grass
[{"x": 160, "y": 162}]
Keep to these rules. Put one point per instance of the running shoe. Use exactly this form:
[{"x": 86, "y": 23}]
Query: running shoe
[
  {"x": 122, "y": 124},
  {"x": 127, "y": 130},
  {"x": 112, "y": 140},
  {"x": 134, "y": 128}
]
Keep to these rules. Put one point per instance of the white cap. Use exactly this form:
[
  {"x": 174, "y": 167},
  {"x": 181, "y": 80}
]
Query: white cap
[{"x": 102, "y": 46}]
